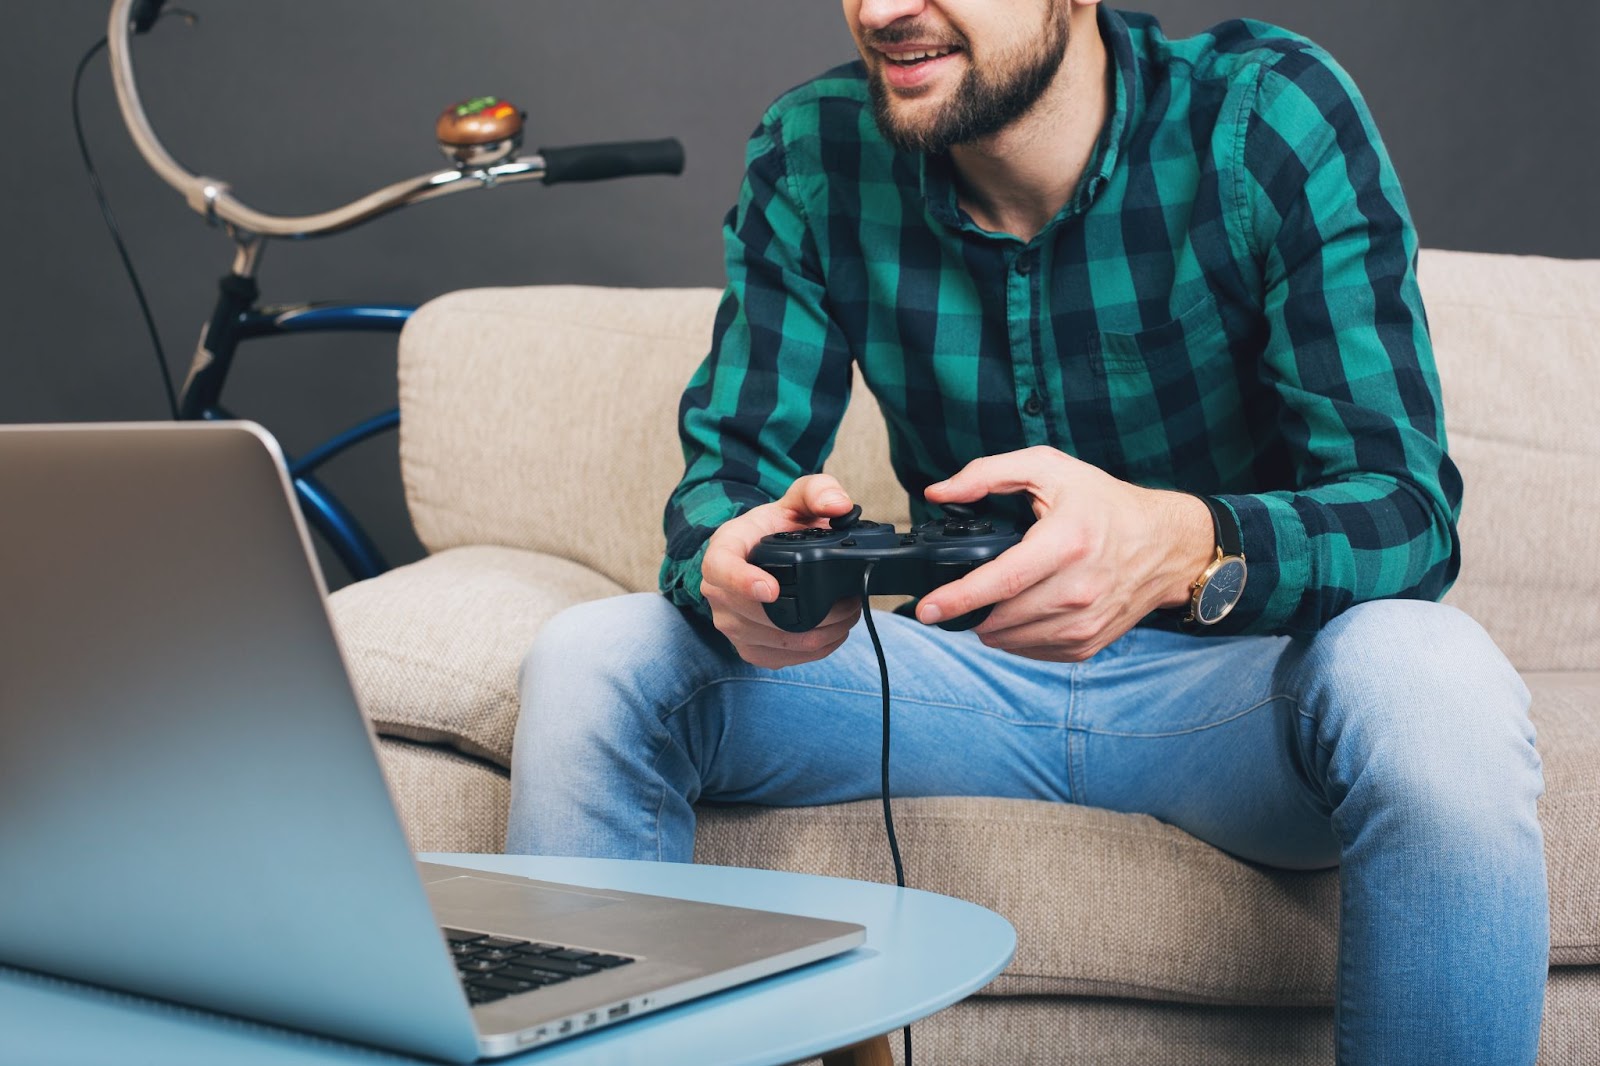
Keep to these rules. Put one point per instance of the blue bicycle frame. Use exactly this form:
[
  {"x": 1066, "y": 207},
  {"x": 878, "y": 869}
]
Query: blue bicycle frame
[{"x": 235, "y": 319}]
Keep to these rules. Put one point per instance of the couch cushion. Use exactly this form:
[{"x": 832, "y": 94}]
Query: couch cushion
[
  {"x": 1110, "y": 904},
  {"x": 1105, "y": 904},
  {"x": 447, "y": 801},
  {"x": 434, "y": 648}
]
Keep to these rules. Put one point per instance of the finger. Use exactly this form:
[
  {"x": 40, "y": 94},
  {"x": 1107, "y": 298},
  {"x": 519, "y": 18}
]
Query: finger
[
  {"x": 993, "y": 475},
  {"x": 1009, "y": 574},
  {"x": 845, "y": 612},
  {"x": 816, "y": 496}
]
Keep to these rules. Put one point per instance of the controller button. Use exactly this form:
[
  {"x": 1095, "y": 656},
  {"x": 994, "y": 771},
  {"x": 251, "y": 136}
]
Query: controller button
[
  {"x": 908, "y": 539},
  {"x": 784, "y": 611},
  {"x": 782, "y": 573},
  {"x": 848, "y": 542}
]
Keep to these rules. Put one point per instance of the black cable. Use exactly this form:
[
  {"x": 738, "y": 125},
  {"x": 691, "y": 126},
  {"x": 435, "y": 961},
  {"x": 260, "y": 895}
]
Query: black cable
[
  {"x": 116, "y": 234},
  {"x": 888, "y": 813}
]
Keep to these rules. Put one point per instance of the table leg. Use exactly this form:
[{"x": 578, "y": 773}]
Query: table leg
[{"x": 874, "y": 1052}]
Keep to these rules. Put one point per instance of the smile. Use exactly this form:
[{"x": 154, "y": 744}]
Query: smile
[{"x": 912, "y": 56}]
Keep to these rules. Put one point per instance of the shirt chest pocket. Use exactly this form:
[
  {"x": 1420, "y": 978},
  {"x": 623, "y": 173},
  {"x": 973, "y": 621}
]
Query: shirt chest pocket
[
  {"x": 1166, "y": 390},
  {"x": 1171, "y": 350}
]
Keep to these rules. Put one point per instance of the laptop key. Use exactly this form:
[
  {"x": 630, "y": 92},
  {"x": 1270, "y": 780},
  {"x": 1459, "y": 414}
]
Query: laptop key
[
  {"x": 540, "y": 949},
  {"x": 501, "y": 943},
  {"x": 570, "y": 954},
  {"x": 571, "y": 969},
  {"x": 520, "y": 973},
  {"x": 478, "y": 996},
  {"x": 478, "y": 965},
  {"x": 500, "y": 984},
  {"x": 461, "y": 936},
  {"x": 607, "y": 962},
  {"x": 494, "y": 954}
]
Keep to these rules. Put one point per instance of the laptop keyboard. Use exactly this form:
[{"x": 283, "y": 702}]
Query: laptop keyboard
[{"x": 494, "y": 967}]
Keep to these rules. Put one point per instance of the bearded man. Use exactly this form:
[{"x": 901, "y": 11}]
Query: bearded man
[{"x": 1158, "y": 298}]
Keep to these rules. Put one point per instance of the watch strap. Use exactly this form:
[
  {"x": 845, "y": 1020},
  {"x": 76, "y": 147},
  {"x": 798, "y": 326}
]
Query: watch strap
[{"x": 1226, "y": 527}]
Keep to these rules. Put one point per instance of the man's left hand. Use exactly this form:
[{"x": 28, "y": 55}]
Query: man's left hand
[{"x": 1103, "y": 554}]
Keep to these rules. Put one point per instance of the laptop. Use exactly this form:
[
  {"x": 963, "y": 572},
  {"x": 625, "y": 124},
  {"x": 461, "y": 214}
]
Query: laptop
[{"x": 191, "y": 805}]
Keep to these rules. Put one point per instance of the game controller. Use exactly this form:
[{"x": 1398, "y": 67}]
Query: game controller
[{"x": 815, "y": 568}]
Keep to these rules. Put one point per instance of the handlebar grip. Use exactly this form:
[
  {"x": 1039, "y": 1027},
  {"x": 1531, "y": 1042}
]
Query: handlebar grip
[
  {"x": 145, "y": 13},
  {"x": 597, "y": 162}
]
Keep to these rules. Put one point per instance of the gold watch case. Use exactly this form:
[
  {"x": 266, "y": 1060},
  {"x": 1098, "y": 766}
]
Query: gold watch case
[{"x": 1218, "y": 589}]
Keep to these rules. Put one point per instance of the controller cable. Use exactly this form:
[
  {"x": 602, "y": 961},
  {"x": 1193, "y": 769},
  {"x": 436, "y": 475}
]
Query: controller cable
[{"x": 888, "y": 814}]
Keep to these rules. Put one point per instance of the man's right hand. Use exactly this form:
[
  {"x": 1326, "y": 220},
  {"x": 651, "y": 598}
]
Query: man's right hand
[{"x": 737, "y": 590}]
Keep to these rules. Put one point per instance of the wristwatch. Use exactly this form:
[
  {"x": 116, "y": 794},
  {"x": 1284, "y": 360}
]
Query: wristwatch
[{"x": 1219, "y": 588}]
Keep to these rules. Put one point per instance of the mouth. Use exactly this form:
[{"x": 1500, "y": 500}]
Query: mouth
[{"x": 910, "y": 65}]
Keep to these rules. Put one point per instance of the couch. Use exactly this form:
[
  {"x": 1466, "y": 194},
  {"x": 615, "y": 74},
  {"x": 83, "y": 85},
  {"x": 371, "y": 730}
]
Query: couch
[{"x": 538, "y": 445}]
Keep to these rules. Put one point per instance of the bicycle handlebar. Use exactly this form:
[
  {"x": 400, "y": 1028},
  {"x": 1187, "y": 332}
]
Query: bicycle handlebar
[
  {"x": 596, "y": 162},
  {"x": 214, "y": 199}
]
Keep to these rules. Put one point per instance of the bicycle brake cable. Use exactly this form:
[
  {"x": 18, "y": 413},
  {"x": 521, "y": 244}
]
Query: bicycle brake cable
[{"x": 111, "y": 219}]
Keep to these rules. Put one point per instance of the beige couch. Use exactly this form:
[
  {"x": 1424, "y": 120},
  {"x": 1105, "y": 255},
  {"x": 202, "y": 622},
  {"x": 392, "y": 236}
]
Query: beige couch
[{"x": 538, "y": 444}]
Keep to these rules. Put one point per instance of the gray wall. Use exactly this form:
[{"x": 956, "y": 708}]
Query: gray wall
[{"x": 1489, "y": 110}]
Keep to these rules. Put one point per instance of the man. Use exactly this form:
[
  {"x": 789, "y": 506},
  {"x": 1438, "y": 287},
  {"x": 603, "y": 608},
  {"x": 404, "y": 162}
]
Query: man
[{"x": 1158, "y": 296}]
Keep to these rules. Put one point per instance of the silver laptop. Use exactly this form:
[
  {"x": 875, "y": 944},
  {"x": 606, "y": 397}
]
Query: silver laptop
[{"x": 191, "y": 806}]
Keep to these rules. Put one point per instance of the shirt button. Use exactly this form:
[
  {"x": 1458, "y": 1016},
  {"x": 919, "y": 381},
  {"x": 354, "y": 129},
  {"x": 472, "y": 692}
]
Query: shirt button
[
  {"x": 1025, "y": 264},
  {"x": 1033, "y": 405}
]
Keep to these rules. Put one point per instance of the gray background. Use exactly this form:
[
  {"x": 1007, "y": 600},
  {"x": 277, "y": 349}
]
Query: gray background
[{"x": 1488, "y": 110}]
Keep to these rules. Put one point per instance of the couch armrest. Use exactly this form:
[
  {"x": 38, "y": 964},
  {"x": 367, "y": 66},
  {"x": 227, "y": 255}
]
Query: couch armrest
[{"x": 435, "y": 649}]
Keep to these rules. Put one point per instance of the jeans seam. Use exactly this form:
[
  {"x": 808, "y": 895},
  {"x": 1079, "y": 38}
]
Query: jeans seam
[
  {"x": 1074, "y": 777},
  {"x": 661, "y": 790},
  {"x": 1301, "y": 711},
  {"x": 1197, "y": 729},
  {"x": 853, "y": 692}
]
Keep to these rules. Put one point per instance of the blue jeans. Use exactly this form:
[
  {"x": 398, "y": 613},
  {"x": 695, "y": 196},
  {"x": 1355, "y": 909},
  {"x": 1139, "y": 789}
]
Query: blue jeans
[{"x": 1395, "y": 745}]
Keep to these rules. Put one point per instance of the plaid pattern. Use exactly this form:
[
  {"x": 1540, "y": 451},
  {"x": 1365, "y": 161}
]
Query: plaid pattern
[{"x": 1228, "y": 306}]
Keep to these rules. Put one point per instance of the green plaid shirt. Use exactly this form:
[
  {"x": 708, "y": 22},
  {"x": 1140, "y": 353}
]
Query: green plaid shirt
[{"x": 1227, "y": 306}]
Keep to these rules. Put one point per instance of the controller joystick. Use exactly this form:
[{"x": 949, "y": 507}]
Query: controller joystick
[
  {"x": 815, "y": 568},
  {"x": 846, "y": 521},
  {"x": 963, "y": 521}
]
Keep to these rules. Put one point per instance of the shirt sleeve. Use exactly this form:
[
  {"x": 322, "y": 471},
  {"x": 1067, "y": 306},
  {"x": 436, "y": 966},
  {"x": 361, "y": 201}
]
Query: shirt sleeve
[
  {"x": 1375, "y": 499},
  {"x": 764, "y": 407}
]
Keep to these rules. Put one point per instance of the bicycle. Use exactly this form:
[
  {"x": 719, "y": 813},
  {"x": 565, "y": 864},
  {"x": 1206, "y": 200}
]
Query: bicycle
[{"x": 482, "y": 138}]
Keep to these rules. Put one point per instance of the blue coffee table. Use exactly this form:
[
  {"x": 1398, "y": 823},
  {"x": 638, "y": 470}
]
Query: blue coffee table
[{"x": 923, "y": 953}]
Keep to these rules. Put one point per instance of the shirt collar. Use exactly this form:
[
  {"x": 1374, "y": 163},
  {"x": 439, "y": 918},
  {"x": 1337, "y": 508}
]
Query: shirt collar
[{"x": 937, "y": 172}]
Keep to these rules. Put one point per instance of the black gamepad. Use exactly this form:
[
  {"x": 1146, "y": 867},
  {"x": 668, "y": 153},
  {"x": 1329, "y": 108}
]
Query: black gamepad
[{"x": 815, "y": 568}]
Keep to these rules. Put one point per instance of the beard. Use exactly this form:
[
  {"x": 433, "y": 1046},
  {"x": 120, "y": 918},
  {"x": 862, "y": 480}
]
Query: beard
[{"x": 984, "y": 103}]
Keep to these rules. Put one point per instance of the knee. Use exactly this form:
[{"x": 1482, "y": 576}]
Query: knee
[
  {"x": 596, "y": 669},
  {"x": 1414, "y": 699},
  {"x": 610, "y": 636}
]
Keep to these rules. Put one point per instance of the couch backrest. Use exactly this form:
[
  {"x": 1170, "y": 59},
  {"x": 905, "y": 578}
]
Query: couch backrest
[
  {"x": 1517, "y": 339},
  {"x": 545, "y": 418}
]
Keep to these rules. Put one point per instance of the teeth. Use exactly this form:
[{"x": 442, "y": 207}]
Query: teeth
[{"x": 912, "y": 57}]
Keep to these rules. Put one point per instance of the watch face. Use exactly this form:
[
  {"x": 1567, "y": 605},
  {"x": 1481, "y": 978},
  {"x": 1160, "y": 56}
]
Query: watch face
[{"x": 1221, "y": 592}]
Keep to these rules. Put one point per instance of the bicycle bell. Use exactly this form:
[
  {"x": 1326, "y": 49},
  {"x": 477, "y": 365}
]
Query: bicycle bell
[{"x": 479, "y": 132}]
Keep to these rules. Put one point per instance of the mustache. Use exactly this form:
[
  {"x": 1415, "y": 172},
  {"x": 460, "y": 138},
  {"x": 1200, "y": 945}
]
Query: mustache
[{"x": 911, "y": 32}]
